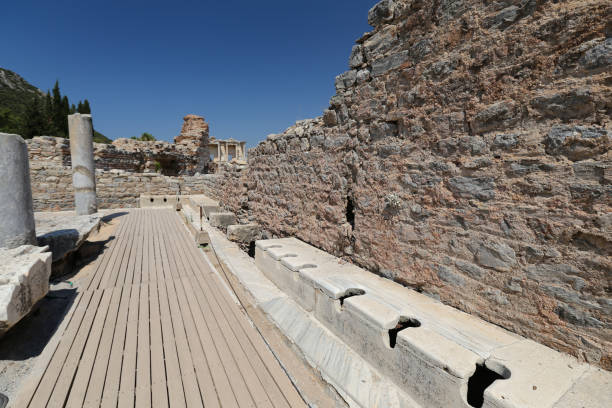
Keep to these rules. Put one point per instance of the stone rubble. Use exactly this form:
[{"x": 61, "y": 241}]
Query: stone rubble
[{"x": 24, "y": 280}]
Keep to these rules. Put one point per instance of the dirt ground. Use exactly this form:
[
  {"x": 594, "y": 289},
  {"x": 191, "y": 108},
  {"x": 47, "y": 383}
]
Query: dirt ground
[{"x": 23, "y": 344}]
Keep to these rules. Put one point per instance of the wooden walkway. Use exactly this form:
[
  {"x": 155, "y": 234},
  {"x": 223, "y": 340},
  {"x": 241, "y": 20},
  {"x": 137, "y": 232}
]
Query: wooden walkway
[{"x": 154, "y": 326}]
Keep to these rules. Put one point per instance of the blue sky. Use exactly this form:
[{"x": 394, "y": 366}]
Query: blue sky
[{"x": 249, "y": 67}]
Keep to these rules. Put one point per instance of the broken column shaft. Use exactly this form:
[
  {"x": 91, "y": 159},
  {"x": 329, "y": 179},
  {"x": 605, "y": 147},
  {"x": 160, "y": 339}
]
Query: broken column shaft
[
  {"x": 80, "y": 128},
  {"x": 16, "y": 213}
]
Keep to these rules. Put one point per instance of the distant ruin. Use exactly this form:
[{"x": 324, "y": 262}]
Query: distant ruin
[{"x": 127, "y": 167}]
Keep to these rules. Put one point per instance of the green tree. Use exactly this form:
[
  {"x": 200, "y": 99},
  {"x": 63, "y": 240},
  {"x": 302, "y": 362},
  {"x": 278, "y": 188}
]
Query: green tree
[
  {"x": 48, "y": 114},
  {"x": 63, "y": 122},
  {"x": 9, "y": 122},
  {"x": 33, "y": 123},
  {"x": 145, "y": 137},
  {"x": 86, "y": 108}
]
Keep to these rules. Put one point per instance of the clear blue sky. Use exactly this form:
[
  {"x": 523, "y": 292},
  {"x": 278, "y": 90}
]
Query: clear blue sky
[{"x": 249, "y": 67}]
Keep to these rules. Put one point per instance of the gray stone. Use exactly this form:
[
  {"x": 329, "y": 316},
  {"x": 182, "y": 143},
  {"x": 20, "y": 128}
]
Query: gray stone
[
  {"x": 504, "y": 18},
  {"x": 500, "y": 115},
  {"x": 496, "y": 255},
  {"x": 469, "y": 268},
  {"x": 599, "y": 56},
  {"x": 246, "y": 233},
  {"x": 356, "y": 58},
  {"x": 449, "y": 9},
  {"x": 330, "y": 118},
  {"x": 505, "y": 141},
  {"x": 64, "y": 232},
  {"x": 24, "y": 280},
  {"x": 577, "y": 142},
  {"x": 379, "y": 131},
  {"x": 441, "y": 69},
  {"x": 574, "y": 104},
  {"x": 514, "y": 285},
  {"x": 223, "y": 220},
  {"x": 16, "y": 215},
  {"x": 346, "y": 80},
  {"x": 83, "y": 166},
  {"x": 481, "y": 188},
  {"x": 363, "y": 76},
  {"x": 497, "y": 296},
  {"x": 381, "y": 12},
  {"x": 445, "y": 274},
  {"x": 577, "y": 317},
  {"x": 393, "y": 61}
]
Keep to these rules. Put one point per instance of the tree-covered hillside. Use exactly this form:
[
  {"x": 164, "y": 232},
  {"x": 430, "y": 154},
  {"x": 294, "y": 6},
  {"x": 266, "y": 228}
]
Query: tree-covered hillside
[{"x": 29, "y": 112}]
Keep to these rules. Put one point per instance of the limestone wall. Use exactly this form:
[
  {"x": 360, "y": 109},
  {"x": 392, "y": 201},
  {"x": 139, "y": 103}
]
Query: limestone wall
[
  {"x": 466, "y": 154},
  {"x": 120, "y": 175}
]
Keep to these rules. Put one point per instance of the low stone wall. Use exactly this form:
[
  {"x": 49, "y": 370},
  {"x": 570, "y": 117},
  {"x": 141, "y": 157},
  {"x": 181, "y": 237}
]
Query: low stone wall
[
  {"x": 124, "y": 170},
  {"x": 52, "y": 188}
]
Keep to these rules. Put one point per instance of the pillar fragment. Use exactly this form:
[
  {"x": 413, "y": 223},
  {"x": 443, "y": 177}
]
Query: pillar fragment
[
  {"x": 80, "y": 128},
  {"x": 16, "y": 211}
]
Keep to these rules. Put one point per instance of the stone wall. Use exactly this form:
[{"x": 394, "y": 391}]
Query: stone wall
[
  {"x": 121, "y": 174},
  {"x": 466, "y": 154},
  {"x": 187, "y": 156}
]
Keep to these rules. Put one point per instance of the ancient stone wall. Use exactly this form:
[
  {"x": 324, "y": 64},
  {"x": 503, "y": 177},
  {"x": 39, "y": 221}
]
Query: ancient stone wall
[
  {"x": 123, "y": 172},
  {"x": 465, "y": 154}
]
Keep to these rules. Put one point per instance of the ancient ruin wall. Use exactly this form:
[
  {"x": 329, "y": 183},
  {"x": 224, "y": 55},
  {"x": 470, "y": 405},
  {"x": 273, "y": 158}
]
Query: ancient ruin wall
[
  {"x": 124, "y": 170},
  {"x": 466, "y": 154}
]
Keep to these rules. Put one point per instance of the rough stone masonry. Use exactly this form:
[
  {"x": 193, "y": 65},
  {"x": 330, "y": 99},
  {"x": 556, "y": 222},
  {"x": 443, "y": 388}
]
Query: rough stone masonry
[
  {"x": 124, "y": 169},
  {"x": 466, "y": 154}
]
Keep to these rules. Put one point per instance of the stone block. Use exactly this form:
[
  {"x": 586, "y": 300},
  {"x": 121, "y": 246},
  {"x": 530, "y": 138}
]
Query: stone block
[
  {"x": 159, "y": 201},
  {"x": 393, "y": 61},
  {"x": 24, "y": 280},
  {"x": 64, "y": 232},
  {"x": 574, "y": 104},
  {"x": 381, "y": 12},
  {"x": 222, "y": 219},
  {"x": 245, "y": 233},
  {"x": 538, "y": 376}
]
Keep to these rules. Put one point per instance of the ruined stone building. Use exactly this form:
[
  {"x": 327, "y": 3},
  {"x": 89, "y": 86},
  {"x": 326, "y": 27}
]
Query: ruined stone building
[
  {"x": 466, "y": 154},
  {"x": 226, "y": 151},
  {"x": 464, "y": 162}
]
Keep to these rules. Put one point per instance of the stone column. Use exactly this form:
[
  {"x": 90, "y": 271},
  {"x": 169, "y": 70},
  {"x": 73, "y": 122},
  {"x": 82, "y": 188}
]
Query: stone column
[
  {"x": 80, "y": 128},
  {"x": 16, "y": 214}
]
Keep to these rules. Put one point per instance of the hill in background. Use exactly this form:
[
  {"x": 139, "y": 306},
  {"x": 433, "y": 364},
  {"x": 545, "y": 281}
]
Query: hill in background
[{"x": 29, "y": 112}]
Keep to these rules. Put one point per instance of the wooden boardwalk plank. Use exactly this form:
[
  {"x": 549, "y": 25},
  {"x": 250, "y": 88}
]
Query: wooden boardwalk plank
[
  {"x": 73, "y": 318},
  {"x": 190, "y": 384},
  {"x": 159, "y": 385},
  {"x": 128, "y": 364},
  {"x": 105, "y": 319},
  {"x": 156, "y": 327},
  {"x": 176, "y": 394},
  {"x": 65, "y": 377},
  {"x": 110, "y": 394},
  {"x": 108, "y": 257},
  {"x": 233, "y": 330}
]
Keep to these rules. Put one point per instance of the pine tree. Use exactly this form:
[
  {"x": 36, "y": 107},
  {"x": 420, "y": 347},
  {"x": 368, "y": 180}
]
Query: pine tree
[
  {"x": 80, "y": 107},
  {"x": 65, "y": 111},
  {"x": 56, "y": 109},
  {"x": 86, "y": 108},
  {"x": 34, "y": 123}
]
